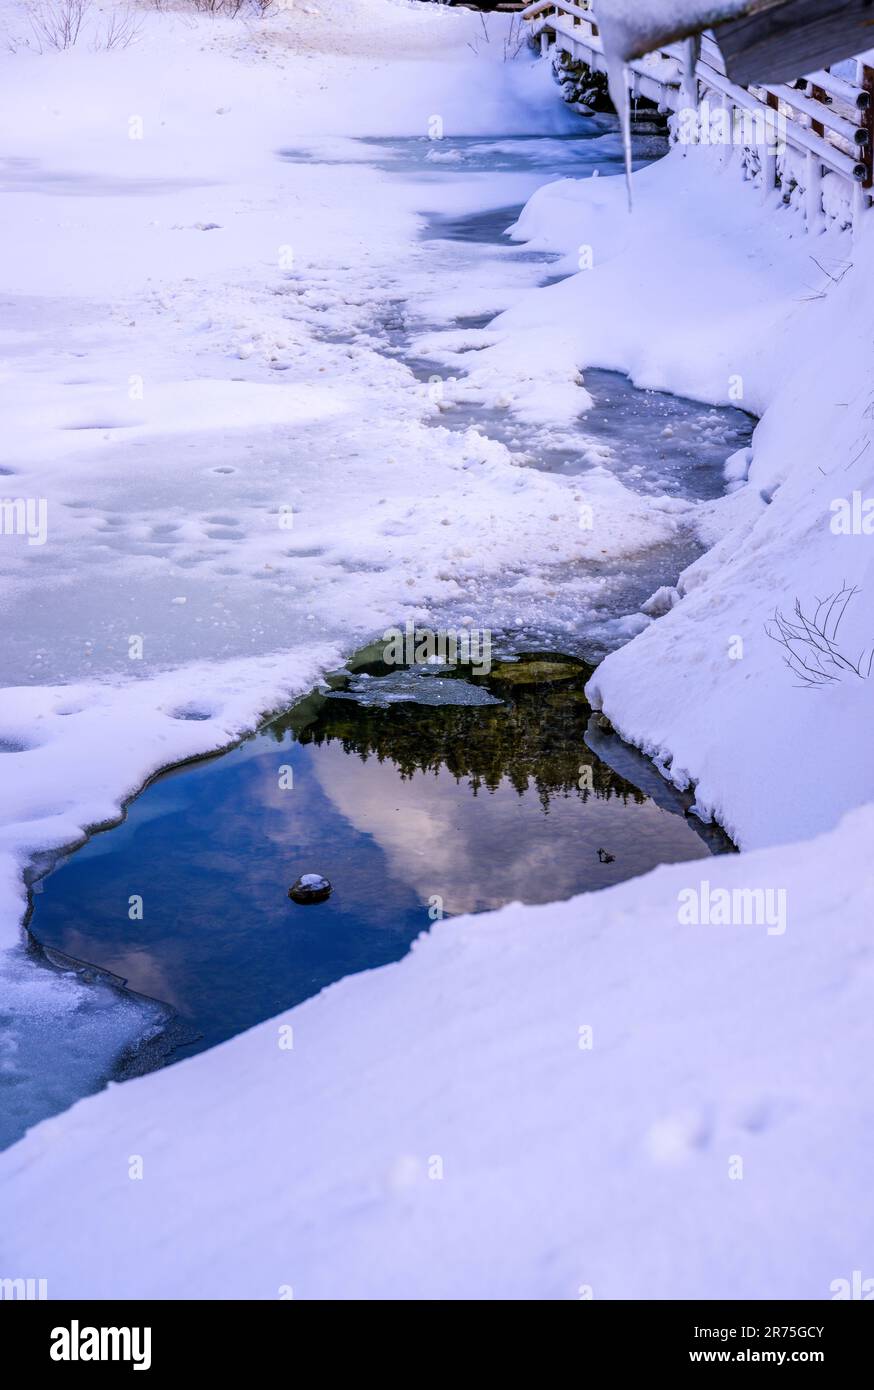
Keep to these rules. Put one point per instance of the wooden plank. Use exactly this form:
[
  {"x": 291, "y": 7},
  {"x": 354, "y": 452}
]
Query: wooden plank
[
  {"x": 868, "y": 118},
  {"x": 820, "y": 113},
  {"x": 839, "y": 89},
  {"x": 817, "y": 98},
  {"x": 778, "y": 40}
]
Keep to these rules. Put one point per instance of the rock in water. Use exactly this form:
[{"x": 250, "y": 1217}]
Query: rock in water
[
  {"x": 536, "y": 671},
  {"x": 310, "y": 888}
]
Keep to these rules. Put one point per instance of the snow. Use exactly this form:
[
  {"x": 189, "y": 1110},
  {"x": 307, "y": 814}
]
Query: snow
[
  {"x": 758, "y": 327},
  {"x": 631, "y": 29},
  {"x": 447, "y": 1126},
  {"x": 442, "y": 1129}
]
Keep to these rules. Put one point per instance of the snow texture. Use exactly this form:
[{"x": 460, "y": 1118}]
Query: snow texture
[{"x": 631, "y": 28}]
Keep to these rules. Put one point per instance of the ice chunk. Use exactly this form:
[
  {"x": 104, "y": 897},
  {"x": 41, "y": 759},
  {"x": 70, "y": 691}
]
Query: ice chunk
[
  {"x": 412, "y": 686},
  {"x": 63, "y": 1035},
  {"x": 661, "y": 602}
]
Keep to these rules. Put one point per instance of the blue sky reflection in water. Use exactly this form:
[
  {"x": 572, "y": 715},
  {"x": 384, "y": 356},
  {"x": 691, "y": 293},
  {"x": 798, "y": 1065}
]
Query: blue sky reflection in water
[{"x": 396, "y": 802}]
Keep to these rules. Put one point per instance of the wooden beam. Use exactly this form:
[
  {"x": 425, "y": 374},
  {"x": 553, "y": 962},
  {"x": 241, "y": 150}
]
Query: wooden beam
[{"x": 777, "y": 40}]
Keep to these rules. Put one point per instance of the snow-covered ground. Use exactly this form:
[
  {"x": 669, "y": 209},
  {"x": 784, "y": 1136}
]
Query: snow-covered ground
[{"x": 446, "y": 1126}]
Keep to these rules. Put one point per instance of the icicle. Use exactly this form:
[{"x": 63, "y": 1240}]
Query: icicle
[
  {"x": 625, "y": 119},
  {"x": 614, "y": 38},
  {"x": 617, "y": 82}
]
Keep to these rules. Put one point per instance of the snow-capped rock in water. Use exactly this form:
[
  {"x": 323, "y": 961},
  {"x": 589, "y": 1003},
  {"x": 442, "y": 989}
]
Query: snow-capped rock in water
[{"x": 310, "y": 888}]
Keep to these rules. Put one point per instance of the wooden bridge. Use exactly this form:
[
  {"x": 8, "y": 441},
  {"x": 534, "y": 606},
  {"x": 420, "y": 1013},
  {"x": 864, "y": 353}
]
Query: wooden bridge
[{"x": 813, "y": 140}]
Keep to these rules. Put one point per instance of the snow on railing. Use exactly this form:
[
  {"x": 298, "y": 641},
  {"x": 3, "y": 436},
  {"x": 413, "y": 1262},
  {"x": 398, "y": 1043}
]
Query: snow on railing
[{"x": 814, "y": 137}]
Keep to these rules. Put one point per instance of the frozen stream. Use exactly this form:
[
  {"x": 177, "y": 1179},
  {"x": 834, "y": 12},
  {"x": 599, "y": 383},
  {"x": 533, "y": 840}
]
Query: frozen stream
[
  {"x": 657, "y": 445},
  {"x": 181, "y": 538}
]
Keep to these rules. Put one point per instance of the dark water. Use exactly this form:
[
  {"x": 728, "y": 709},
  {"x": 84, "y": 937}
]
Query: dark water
[
  {"x": 593, "y": 142},
  {"x": 654, "y": 443},
  {"x": 409, "y": 809}
]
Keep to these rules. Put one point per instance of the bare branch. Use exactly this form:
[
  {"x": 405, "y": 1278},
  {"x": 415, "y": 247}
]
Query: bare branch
[{"x": 811, "y": 642}]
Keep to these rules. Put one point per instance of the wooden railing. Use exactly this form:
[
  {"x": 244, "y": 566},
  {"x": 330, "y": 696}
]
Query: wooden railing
[{"x": 825, "y": 120}]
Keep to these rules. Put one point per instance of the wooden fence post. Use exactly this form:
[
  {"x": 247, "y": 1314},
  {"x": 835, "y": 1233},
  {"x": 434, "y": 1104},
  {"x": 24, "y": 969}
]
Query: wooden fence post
[
  {"x": 812, "y": 192},
  {"x": 769, "y": 157},
  {"x": 728, "y": 128},
  {"x": 866, "y": 82},
  {"x": 691, "y": 54}
]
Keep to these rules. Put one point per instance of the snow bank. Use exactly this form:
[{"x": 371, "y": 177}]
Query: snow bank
[
  {"x": 705, "y": 292},
  {"x": 631, "y": 29},
  {"x": 582, "y": 1100},
  {"x": 665, "y": 295}
]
